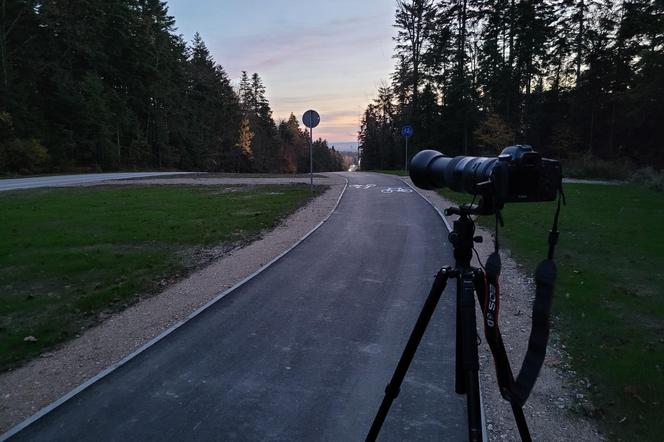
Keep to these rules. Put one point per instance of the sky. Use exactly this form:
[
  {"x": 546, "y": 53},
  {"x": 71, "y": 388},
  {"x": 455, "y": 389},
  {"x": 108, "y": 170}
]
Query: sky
[{"x": 330, "y": 56}]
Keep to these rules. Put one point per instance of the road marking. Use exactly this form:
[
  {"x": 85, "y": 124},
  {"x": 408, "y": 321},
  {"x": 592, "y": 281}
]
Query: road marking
[
  {"x": 383, "y": 189},
  {"x": 396, "y": 190}
]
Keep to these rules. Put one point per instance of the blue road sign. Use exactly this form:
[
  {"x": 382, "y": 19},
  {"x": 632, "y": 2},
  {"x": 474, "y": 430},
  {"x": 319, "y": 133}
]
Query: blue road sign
[
  {"x": 311, "y": 119},
  {"x": 407, "y": 131}
]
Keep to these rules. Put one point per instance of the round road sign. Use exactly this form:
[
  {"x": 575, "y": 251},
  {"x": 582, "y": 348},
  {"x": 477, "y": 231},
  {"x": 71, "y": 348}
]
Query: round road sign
[
  {"x": 407, "y": 131},
  {"x": 311, "y": 118}
]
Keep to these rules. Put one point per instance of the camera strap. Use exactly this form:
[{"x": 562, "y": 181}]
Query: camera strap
[{"x": 517, "y": 391}]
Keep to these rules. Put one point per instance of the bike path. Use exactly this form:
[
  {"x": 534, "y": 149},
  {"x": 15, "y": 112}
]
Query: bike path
[{"x": 303, "y": 350}]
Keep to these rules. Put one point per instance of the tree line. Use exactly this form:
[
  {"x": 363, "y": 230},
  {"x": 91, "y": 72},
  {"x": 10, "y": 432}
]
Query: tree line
[
  {"x": 109, "y": 84},
  {"x": 576, "y": 79}
]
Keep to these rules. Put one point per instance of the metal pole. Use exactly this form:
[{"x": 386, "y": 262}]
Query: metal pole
[
  {"x": 311, "y": 158},
  {"x": 405, "y": 167}
]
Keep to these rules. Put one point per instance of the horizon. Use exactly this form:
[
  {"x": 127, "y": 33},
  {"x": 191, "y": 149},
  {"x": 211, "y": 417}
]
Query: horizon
[{"x": 343, "y": 146}]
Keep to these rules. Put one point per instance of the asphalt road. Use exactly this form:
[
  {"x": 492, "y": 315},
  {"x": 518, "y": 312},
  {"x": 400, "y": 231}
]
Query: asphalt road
[
  {"x": 68, "y": 180},
  {"x": 303, "y": 351}
]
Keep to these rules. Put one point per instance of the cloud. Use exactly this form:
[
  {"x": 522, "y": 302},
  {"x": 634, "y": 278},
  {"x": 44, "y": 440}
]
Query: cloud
[
  {"x": 339, "y": 125},
  {"x": 340, "y": 118},
  {"x": 331, "y": 41}
]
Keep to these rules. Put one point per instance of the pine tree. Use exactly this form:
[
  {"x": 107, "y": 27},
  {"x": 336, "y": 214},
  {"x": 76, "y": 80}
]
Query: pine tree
[
  {"x": 257, "y": 110},
  {"x": 214, "y": 120},
  {"x": 414, "y": 20},
  {"x": 294, "y": 148}
]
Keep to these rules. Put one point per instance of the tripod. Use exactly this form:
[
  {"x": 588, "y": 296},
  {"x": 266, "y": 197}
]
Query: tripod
[{"x": 466, "y": 364}]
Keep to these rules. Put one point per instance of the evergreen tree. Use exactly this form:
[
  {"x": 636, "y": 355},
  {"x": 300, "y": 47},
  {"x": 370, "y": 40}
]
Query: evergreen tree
[
  {"x": 257, "y": 110},
  {"x": 414, "y": 21},
  {"x": 294, "y": 148}
]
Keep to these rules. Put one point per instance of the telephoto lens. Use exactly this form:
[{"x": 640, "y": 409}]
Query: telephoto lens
[
  {"x": 430, "y": 169},
  {"x": 518, "y": 174}
]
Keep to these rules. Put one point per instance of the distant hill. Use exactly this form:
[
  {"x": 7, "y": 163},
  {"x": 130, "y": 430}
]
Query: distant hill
[{"x": 344, "y": 146}]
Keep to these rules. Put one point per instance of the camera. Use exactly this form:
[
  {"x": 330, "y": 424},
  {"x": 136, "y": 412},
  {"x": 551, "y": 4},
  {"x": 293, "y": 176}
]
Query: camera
[{"x": 518, "y": 174}]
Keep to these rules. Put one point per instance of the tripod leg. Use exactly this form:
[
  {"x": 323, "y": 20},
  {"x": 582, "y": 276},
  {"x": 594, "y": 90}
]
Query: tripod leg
[
  {"x": 459, "y": 385},
  {"x": 469, "y": 355},
  {"x": 392, "y": 389}
]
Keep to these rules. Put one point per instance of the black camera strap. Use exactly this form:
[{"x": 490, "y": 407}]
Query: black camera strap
[{"x": 517, "y": 391}]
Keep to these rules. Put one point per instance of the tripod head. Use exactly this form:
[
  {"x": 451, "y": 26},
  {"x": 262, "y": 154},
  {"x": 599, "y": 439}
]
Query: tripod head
[
  {"x": 487, "y": 205},
  {"x": 462, "y": 235},
  {"x": 464, "y": 210}
]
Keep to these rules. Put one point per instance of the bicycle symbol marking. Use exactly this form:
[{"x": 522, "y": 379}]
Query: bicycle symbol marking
[
  {"x": 383, "y": 190},
  {"x": 396, "y": 190}
]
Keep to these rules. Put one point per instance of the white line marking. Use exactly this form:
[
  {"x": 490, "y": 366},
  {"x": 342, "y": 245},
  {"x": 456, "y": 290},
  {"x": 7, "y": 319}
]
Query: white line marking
[{"x": 440, "y": 214}]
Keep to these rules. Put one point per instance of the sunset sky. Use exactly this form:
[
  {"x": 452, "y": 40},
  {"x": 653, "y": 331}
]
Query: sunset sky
[{"x": 330, "y": 56}]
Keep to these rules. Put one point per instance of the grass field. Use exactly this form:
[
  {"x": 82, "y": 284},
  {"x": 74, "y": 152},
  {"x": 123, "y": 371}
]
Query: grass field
[
  {"x": 609, "y": 297},
  {"x": 67, "y": 255}
]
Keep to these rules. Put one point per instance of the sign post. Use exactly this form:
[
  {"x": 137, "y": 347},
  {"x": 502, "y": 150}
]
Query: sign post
[
  {"x": 311, "y": 120},
  {"x": 406, "y": 132}
]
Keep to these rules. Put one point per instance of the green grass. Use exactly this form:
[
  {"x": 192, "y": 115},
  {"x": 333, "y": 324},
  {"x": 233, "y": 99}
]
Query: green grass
[
  {"x": 66, "y": 255},
  {"x": 609, "y": 297}
]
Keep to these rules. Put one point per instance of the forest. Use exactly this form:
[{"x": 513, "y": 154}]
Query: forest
[
  {"x": 101, "y": 85},
  {"x": 579, "y": 80}
]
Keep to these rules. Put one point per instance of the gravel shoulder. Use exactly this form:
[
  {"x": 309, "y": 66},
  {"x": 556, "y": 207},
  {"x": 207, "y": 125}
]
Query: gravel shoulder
[
  {"x": 27, "y": 389},
  {"x": 554, "y": 410}
]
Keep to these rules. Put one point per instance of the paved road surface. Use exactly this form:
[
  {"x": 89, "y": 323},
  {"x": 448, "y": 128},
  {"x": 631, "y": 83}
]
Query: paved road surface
[
  {"x": 67, "y": 180},
  {"x": 303, "y": 351},
  {"x": 604, "y": 182}
]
